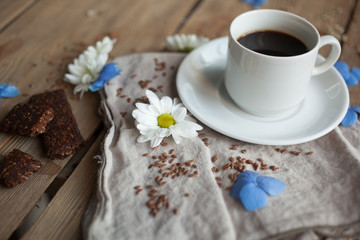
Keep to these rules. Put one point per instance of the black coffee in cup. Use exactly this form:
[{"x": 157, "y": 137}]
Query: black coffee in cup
[{"x": 273, "y": 43}]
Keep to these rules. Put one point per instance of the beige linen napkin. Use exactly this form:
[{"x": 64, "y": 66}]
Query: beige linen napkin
[{"x": 321, "y": 197}]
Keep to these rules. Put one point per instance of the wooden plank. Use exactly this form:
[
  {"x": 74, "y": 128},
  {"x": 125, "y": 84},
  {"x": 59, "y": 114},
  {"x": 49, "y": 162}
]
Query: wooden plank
[
  {"x": 70, "y": 202},
  {"x": 351, "y": 52},
  {"x": 11, "y": 9},
  {"x": 212, "y": 19},
  {"x": 34, "y": 52}
]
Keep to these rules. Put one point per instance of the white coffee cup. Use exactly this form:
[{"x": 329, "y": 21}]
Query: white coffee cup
[{"x": 272, "y": 86}]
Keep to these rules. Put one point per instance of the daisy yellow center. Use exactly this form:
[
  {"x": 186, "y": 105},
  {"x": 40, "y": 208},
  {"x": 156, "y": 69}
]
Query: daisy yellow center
[{"x": 165, "y": 120}]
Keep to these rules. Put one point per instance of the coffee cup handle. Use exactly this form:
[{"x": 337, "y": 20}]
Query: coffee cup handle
[{"x": 333, "y": 56}]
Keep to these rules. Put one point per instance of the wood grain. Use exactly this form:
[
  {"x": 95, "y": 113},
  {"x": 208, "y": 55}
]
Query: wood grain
[
  {"x": 212, "y": 19},
  {"x": 11, "y": 9},
  {"x": 351, "y": 52},
  {"x": 70, "y": 202},
  {"x": 34, "y": 52}
]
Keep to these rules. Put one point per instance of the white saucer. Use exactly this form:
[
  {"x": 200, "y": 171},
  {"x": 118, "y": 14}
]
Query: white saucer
[{"x": 201, "y": 89}]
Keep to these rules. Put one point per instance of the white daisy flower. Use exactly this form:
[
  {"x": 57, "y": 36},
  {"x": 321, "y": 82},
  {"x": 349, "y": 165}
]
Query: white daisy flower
[
  {"x": 184, "y": 42},
  {"x": 86, "y": 69},
  {"x": 162, "y": 118}
]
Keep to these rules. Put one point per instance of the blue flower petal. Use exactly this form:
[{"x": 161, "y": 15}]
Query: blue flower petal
[
  {"x": 351, "y": 80},
  {"x": 109, "y": 71},
  {"x": 350, "y": 118},
  {"x": 243, "y": 179},
  {"x": 253, "y": 197},
  {"x": 355, "y": 109},
  {"x": 356, "y": 72},
  {"x": 255, "y": 3},
  {"x": 343, "y": 69},
  {"x": 8, "y": 90},
  {"x": 271, "y": 186}
]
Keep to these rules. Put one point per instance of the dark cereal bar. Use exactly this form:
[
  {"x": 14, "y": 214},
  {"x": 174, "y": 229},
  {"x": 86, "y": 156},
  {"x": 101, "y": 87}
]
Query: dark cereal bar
[
  {"x": 17, "y": 167},
  {"x": 62, "y": 136},
  {"x": 27, "y": 120}
]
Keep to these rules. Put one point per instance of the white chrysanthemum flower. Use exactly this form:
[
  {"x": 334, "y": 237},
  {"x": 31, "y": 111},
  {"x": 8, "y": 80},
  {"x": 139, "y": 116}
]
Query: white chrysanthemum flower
[
  {"x": 184, "y": 42},
  {"x": 86, "y": 69},
  {"x": 162, "y": 118}
]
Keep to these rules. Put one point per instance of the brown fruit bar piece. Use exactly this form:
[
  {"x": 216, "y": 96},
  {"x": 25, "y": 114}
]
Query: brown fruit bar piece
[
  {"x": 27, "y": 120},
  {"x": 62, "y": 137},
  {"x": 17, "y": 167}
]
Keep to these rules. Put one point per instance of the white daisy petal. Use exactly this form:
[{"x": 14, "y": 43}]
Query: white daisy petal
[
  {"x": 179, "y": 114},
  {"x": 166, "y": 104},
  {"x": 154, "y": 100},
  {"x": 156, "y": 141},
  {"x": 72, "y": 79},
  {"x": 143, "y": 107},
  {"x": 184, "y": 42}
]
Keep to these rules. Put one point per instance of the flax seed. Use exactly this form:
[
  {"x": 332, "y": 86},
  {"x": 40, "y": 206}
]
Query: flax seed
[
  {"x": 277, "y": 149},
  {"x": 162, "y": 183},
  {"x": 201, "y": 134},
  {"x": 150, "y": 166},
  {"x": 295, "y": 153},
  {"x": 138, "y": 191},
  {"x": 228, "y": 188},
  {"x": 243, "y": 168},
  {"x": 205, "y": 139},
  {"x": 249, "y": 161},
  {"x": 243, "y": 151},
  {"x": 138, "y": 187},
  {"x": 154, "y": 191},
  {"x": 274, "y": 168},
  {"x": 219, "y": 184},
  {"x": 309, "y": 153},
  {"x": 153, "y": 212},
  {"x": 214, "y": 158},
  {"x": 175, "y": 211},
  {"x": 174, "y": 156},
  {"x": 146, "y": 154},
  {"x": 233, "y": 148},
  {"x": 192, "y": 175},
  {"x": 255, "y": 166},
  {"x": 158, "y": 205},
  {"x": 218, "y": 178},
  {"x": 282, "y": 150},
  {"x": 163, "y": 197},
  {"x": 163, "y": 143},
  {"x": 154, "y": 157},
  {"x": 206, "y": 144},
  {"x": 167, "y": 205},
  {"x": 195, "y": 166},
  {"x": 157, "y": 147},
  {"x": 231, "y": 159},
  {"x": 149, "y": 186},
  {"x": 260, "y": 160},
  {"x": 171, "y": 151},
  {"x": 187, "y": 194}
]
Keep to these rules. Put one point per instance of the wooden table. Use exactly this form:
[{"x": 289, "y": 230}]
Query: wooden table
[{"x": 38, "y": 39}]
